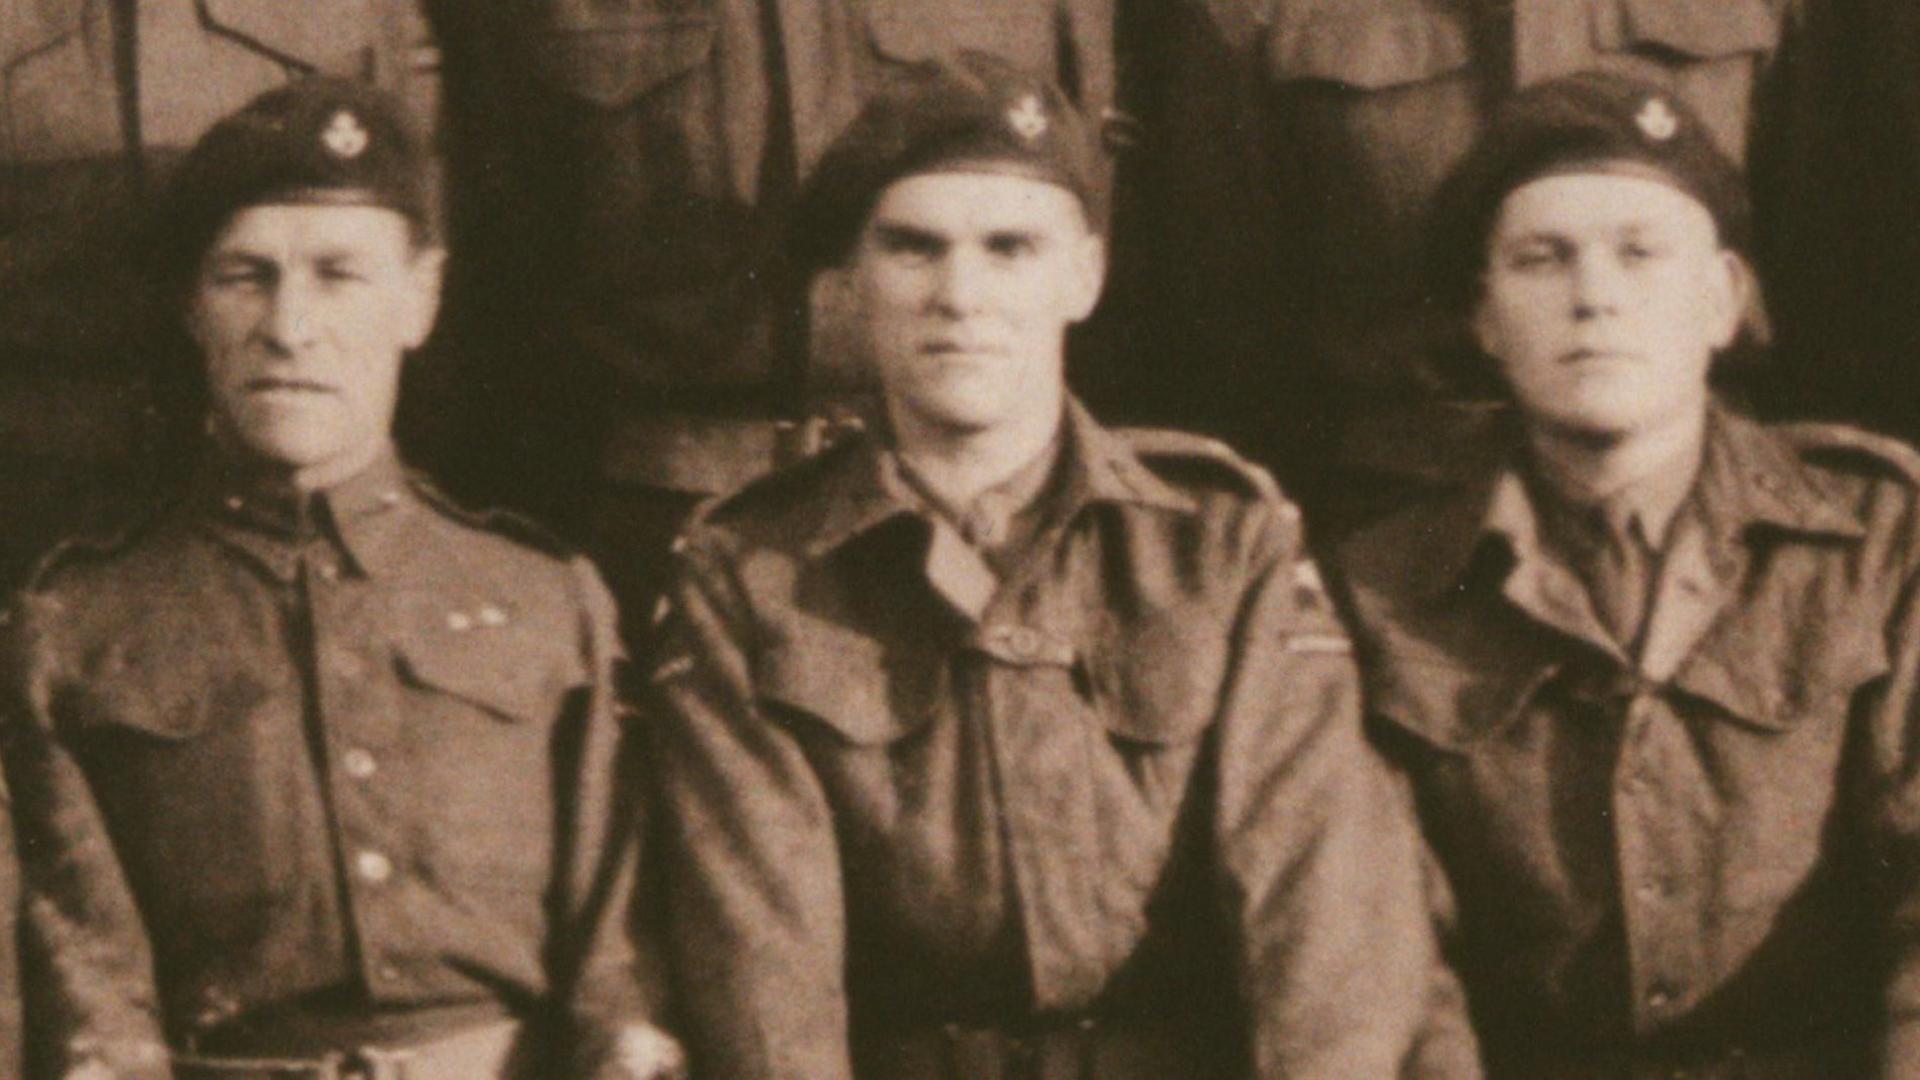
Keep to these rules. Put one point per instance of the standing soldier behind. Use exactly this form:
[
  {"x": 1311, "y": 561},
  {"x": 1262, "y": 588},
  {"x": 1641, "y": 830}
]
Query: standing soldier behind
[
  {"x": 1367, "y": 105},
  {"x": 622, "y": 179},
  {"x": 1654, "y": 670},
  {"x": 998, "y": 743},
  {"x": 315, "y": 771}
]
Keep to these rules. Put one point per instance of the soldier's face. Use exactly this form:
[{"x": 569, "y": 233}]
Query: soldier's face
[
  {"x": 1606, "y": 298},
  {"x": 303, "y": 314},
  {"x": 965, "y": 285}
]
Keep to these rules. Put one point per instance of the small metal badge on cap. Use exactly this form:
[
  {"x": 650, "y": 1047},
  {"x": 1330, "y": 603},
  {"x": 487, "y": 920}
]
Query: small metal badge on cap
[
  {"x": 345, "y": 137},
  {"x": 1027, "y": 118},
  {"x": 1656, "y": 120}
]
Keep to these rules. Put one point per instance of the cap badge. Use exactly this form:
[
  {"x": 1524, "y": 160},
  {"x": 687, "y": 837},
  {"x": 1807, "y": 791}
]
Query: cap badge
[
  {"x": 1656, "y": 120},
  {"x": 345, "y": 137},
  {"x": 1027, "y": 118}
]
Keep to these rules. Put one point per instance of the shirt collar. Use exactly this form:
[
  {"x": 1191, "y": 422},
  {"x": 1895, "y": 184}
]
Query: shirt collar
[
  {"x": 864, "y": 490},
  {"x": 1748, "y": 477}
]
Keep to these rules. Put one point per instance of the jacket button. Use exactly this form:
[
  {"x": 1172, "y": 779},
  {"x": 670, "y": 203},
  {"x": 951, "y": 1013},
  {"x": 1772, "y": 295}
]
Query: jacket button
[
  {"x": 358, "y": 763},
  {"x": 459, "y": 621},
  {"x": 373, "y": 866}
]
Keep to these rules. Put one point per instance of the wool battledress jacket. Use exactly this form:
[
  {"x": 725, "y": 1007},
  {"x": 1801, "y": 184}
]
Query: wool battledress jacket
[
  {"x": 1703, "y": 859},
  {"x": 1111, "y": 810},
  {"x": 285, "y": 761}
]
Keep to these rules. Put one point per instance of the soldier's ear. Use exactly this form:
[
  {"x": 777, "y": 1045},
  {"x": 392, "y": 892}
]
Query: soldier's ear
[
  {"x": 426, "y": 273},
  {"x": 1735, "y": 300},
  {"x": 1089, "y": 275}
]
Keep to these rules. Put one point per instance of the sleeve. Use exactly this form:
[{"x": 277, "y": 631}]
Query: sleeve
[
  {"x": 1339, "y": 964},
  {"x": 1895, "y": 823},
  {"x": 90, "y": 1003},
  {"x": 10, "y": 1031},
  {"x": 616, "y": 989},
  {"x": 754, "y": 890}
]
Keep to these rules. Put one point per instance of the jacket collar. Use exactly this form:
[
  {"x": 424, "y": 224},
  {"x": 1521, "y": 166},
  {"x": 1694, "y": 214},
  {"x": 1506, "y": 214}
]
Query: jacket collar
[
  {"x": 863, "y": 489},
  {"x": 1750, "y": 479},
  {"x": 273, "y": 522}
]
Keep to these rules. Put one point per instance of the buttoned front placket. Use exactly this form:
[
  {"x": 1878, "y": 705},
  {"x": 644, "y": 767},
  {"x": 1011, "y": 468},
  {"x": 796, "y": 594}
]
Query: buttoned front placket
[
  {"x": 355, "y": 717},
  {"x": 1665, "y": 813},
  {"x": 1023, "y": 682}
]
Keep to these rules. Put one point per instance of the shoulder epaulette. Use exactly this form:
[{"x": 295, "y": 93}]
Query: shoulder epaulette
[
  {"x": 86, "y": 546},
  {"x": 772, "y": 482},
  {"x": 511, "y": 524},
  {"x": 1163, "y": 448},
  {"x": 1839, "y": 444}
]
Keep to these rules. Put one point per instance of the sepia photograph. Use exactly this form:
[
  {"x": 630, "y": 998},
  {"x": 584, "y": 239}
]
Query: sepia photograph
[{"x": 959, "y": 540}]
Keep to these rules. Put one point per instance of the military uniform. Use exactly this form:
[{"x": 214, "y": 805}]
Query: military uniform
[
  {"x": 347, "y": 761},
  {"x": 1698, "y": 857},
  {"x": 623, "y": 178},
  {"x": 1365, "y": 107},
  {"x": 100, "y": 98},
  {"x": 1104, "y": 812},
  {"x": 10, "y": 1027}
]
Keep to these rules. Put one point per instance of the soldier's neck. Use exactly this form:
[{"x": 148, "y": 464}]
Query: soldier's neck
[
  {"x": 1642, "y": 467},
  {"x": 957, "y": 466}
]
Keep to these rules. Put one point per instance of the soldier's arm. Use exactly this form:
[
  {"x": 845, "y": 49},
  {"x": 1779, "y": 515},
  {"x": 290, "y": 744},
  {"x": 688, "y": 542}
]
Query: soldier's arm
[
  {"x": 91, "y": 1004},
  {"x": 752, "y": 865},
  {"x": 1321, "y": 859},
  {"x": 616, "y": 986},
  {"x": 1896, "y": 823}
]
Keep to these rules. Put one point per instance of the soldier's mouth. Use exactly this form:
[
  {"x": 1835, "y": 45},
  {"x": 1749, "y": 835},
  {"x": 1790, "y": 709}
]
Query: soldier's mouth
[{"x": 287, "y": 386}]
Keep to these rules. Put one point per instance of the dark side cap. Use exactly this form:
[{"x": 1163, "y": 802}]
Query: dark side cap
[
  {"x": 968, "y": 112},
  {"x": 1590, "y": 122},
  {"x": 319, "y": 141}
]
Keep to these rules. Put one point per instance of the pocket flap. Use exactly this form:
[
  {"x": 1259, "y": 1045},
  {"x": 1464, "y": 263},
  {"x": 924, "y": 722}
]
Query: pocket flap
[
  {"x": 1369, "y": 46},
  {"x": 909, "y": 31},
  {"x": 849, "y": 685},
  {"x": 330, "y": 36},
  {"x": 611, "y": 55},
  {"x": 163, "y": 693},
  {"x": 499, "y": 671},
  {"x": 1773, "y": 687},
  {"x": 1701, "y": 31}
]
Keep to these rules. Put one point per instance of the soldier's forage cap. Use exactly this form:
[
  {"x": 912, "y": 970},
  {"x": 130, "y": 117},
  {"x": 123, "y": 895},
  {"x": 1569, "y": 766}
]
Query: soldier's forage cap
[
  {"x": 969, "y": 112},
  {"x": 1587, "y": 123},
  {"x": 320, "y": 141}
]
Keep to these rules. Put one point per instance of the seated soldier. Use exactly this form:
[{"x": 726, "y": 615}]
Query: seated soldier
[
  {"x": 999, "y": 743},
  {"x": 1653, "y": 670},
  {"x": 316, "y": 775}
]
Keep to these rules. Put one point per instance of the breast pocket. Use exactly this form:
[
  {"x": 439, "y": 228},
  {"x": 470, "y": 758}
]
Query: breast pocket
[
  {"x": 1708, "y": 52},
  {"x": 57, "y": 97},
  {"x": 1372, "y": 101},
  {"x": 609, "y": 55},
  {"x": 195, "y": 766},
  {"x": 484, "y": 739},
  {"x": 911, "y": 31}
]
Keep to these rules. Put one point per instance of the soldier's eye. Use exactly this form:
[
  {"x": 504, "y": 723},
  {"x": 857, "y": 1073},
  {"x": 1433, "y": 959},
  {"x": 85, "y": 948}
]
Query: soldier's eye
[
  {"x": 239, "y": 277},
  {"x": 1012, "y": 245},
  {"x": 1535, "y": 257},
  {"x": 908, "y": 242}
]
